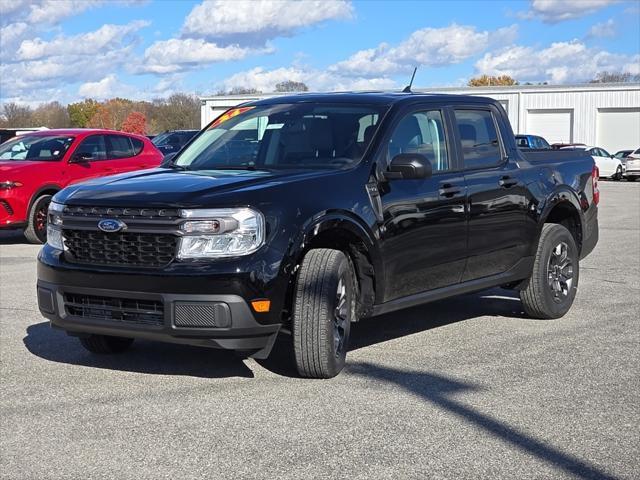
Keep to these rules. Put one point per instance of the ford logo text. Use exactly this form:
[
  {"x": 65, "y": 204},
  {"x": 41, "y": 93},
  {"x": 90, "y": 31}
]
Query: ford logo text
[{"x": 111, "y": 225}]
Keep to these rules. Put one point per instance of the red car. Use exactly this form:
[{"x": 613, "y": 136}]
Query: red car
[{"x": 33, "y": 167}]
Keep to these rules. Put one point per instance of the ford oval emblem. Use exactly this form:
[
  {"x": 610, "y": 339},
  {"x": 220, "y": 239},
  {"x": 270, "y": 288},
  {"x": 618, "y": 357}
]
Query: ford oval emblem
[{"x": 111, "y": 225}]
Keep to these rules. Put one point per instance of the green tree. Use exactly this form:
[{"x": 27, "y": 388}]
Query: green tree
[{"x": 81, "y": 112}]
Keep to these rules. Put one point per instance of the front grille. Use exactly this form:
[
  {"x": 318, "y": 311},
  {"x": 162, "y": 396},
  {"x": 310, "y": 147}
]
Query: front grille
[
  {"x": 120, "y": 212},
  {"x": 126, "y": 310},
  {"x": 122, "y": 248},
  {"x": 6, "y": 206}
]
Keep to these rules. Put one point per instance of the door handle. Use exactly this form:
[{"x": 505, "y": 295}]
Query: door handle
[
  {"x": 449, "y": 191},
  {"x": 508, "y": 182}
]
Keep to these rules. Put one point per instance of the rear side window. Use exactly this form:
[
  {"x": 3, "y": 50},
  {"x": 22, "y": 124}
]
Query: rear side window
[
  {"x": 119, "y": 146},
  {"x": 478, "y": 138},
  {"x": 138, "y": 145},
  {"x": 422, "y": 132},
  {"x": 93, "y": 147}
]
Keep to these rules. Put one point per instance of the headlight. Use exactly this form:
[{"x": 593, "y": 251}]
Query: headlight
[
  {"x": 54, "y": 222},
  {"x": 216, "y": 233}
]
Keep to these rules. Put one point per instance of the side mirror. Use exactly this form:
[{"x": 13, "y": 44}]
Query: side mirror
[
  {"x": 409, "y": 166},
  {"x": 167, "y": 160},
  {"x": 80, "y": 158}
]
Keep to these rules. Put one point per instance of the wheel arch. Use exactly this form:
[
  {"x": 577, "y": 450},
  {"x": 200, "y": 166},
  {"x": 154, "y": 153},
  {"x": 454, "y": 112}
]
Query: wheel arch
[
  {"x": 343, "y": 231},
  {"x": 565, "y": 208},
  {"x": 47, "y": 189}
]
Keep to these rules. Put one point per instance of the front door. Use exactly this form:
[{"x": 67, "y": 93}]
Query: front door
[{"x": 423, "y": 235}]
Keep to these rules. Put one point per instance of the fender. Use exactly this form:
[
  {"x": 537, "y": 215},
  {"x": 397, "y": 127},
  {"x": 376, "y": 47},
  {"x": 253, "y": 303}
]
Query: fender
[
  {"x": 49, "y": 186},
  {"x": 562, "y": 194},
  {"x": 324, "y": 221}
]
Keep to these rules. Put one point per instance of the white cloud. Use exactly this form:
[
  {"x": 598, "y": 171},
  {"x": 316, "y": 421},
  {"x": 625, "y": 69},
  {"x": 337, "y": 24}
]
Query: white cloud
[
  {"x": 266, "y": 80},
  {"x": 174, "y": 55},
  {"x": 554, "y": 11},
  {"x": 254, "y": 22},
  {"x": 107, "y": 37},
  {"x": 561, "y": 62},
  {"x": 603, "y": 29},
  {"x": 427, "y": 47},
  {"x": 108, "y": 87}
]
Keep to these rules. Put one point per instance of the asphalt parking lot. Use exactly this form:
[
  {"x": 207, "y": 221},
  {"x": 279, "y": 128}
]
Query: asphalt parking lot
[{"x": 462, "y": 388}]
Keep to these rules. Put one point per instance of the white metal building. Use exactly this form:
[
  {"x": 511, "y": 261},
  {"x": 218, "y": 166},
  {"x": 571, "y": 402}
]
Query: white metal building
[{"x": 605, "y": 115}]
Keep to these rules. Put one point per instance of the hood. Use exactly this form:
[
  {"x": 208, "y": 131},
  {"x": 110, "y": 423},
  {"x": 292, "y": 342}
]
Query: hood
[
  {"x": 174, "y": 188},
  {"x": 17, "y": 166}
]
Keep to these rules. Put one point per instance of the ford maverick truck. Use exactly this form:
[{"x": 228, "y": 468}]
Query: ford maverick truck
[{"x": 299, "y": 215}]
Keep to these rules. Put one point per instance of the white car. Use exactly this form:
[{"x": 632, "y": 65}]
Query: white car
[
  {"x": 609, "y": 166},
  {"x": 632, "y": 166}
]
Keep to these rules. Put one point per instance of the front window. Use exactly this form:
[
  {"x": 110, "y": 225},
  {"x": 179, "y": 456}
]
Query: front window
[
  {"x": 284, "y": 136},
  {"x": 36, "y": 147}
]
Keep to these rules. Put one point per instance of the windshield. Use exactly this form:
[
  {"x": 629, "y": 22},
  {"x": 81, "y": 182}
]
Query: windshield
[
  {"x": 36, "y": 147},
  {"x": 285, "y": 136}
]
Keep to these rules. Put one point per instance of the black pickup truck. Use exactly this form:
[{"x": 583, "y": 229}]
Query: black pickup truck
[{"x": 299, "y": 215}]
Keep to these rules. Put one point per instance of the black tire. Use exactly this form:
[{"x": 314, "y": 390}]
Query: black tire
[
  {"x": 550, "y": 291},
  {"x": 324, "y": 305},
  {"x": 36, "y": 231},
  {"x": 631, "y": 179},
  {"x": 103, "y": 344},
  {"x": 618, "y": 175}
]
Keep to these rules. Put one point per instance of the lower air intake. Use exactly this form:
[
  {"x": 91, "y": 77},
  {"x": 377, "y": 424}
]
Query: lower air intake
[{"x": 201, "y": 315}]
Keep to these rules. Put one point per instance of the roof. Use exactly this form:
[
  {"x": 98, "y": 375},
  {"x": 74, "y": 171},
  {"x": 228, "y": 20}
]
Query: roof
[
  {"x": 462, "y": 90},
  {"x": 368, "y": 98},
  {"x": 81, "y": 131}
]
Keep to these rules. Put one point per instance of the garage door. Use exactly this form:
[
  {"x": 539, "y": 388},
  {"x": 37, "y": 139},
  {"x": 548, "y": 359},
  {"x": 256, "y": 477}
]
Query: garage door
[
  {"x": 618, "y": 128},
  {"x": 554, "y": 125}
]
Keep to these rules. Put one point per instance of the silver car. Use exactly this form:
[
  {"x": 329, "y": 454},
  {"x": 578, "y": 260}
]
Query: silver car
[{"x": 632, "y": 170}]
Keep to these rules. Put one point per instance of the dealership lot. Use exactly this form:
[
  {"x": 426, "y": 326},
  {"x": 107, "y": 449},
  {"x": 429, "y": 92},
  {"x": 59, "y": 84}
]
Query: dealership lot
[{"x": 462, "y": 388}]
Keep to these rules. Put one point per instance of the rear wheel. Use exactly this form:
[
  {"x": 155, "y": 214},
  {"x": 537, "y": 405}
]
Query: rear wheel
[
  {"x": 104, "y": 344},
  {"x": 550, "y": 291},
  {"x": 618, "y": 175},
  {"x": 324, "y": 307},
  {"x": 36, "y": 231}
]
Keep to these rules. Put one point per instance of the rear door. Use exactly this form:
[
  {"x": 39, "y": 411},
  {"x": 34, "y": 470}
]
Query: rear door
[
  {"x": 126, "y": 153},
  {"x": 496, "y": 194},
  {"x": 604, "y": 162},
  {"x": 423, "y": 236}
]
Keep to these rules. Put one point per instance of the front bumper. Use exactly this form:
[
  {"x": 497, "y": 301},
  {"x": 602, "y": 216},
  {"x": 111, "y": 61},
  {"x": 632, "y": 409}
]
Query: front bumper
[{"x": 154, "y": 305}]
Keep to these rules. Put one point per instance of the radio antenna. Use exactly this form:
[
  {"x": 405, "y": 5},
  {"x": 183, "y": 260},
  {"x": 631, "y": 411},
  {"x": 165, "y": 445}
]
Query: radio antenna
[{"x": 407, "y": 89}]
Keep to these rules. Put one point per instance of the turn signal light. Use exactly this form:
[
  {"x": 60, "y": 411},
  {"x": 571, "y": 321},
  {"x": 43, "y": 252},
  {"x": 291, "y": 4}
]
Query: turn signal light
[{"x": 261, "y": 306}]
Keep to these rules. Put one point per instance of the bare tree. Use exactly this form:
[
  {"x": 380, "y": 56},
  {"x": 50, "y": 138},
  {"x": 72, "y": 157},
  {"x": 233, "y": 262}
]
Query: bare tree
[
  {"x": 613, "y": 77},
  {"x": 15, "y": 115},
  {"x": 52, "y": 115},
  {"x": 291, "y": 86}
]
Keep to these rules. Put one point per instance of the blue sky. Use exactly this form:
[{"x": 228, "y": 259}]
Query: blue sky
[{"x": 73, "y": 49}]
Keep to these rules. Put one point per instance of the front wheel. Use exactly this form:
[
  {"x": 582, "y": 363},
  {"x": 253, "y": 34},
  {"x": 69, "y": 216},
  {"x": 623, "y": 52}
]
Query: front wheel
[
  {"x": 36, "y": 231},
  {"x": 323, "y": 309},
  {"x": 550, "y": 291}
]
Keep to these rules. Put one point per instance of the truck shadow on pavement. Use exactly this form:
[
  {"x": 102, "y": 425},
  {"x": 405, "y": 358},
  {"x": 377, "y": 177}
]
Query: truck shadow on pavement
[
  {"x": 495, "y": 302},
  {"x": 438, "y": 391},
  {"x": 142, "y": 357}
]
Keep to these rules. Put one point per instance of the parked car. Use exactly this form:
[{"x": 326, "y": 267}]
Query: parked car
[
  {"x": 173, "y": 141},
  {"x": 34, "y": 166},
  {"x": 560, "y": 146},
  {"x": 632, "y": 166},
  {"x": 532, "y": 142},
  {"x": 608, "y": 165},
  {"x": 622, "y": 154},
  {"x": 302, "y": 214}
]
